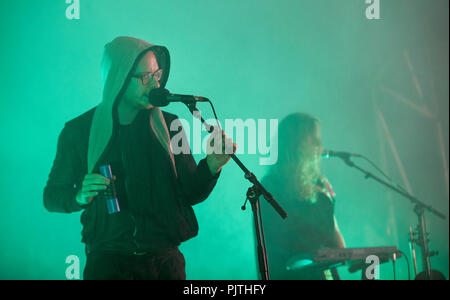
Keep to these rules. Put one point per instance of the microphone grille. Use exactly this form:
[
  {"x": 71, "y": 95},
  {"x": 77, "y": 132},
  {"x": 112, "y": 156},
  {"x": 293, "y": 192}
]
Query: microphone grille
[{"x": 158, "y": 97}]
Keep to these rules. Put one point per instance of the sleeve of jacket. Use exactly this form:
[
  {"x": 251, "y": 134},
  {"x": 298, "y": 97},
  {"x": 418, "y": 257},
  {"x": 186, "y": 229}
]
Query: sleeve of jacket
[
  {"x": 196, "y": 180},
  {"x": 60, "y": 191}
]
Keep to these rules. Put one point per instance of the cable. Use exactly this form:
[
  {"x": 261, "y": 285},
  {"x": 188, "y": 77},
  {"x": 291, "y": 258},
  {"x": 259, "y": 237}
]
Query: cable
[
  {"x": 393, "y": 264},
  {"x": 407, "y": 262}
]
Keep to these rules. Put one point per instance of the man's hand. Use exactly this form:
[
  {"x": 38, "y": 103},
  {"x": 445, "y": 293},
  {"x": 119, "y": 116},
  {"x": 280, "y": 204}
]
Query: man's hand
[
  {"x": 92, "y": 185},
  {"x": 219, "y": 148}
]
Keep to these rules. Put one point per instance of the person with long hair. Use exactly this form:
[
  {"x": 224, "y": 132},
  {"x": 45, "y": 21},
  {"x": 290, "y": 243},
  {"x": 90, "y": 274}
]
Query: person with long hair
[{"x": 297, "y": 184}]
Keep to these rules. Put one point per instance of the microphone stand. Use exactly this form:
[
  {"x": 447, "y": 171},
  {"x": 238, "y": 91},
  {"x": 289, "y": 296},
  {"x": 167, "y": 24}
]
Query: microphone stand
[
  {"x": 253, "y": 194},
  {"x": 419, "y": 210}
]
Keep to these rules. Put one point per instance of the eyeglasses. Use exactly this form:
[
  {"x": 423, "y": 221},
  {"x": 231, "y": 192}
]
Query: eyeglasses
[{"x": 145, "y": 77}]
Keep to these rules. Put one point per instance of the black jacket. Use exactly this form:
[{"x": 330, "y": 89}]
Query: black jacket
[{"x": 192, "y": 184}]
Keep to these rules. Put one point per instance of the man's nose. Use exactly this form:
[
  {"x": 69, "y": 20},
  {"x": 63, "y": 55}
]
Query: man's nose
[{"x": 154, "y": 85}]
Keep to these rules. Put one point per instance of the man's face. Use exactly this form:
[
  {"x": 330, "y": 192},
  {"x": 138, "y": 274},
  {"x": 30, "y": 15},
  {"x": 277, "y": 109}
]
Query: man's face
[{"x": 136, "y": 95}]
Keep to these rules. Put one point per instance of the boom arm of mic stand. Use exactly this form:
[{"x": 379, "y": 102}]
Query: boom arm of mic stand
[
  {"x": 406, "y": 195},
  {"x": 248, "y": 175}
]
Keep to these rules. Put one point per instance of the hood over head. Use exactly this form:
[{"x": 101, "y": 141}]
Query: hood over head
[{"x": 120, "y": 59}]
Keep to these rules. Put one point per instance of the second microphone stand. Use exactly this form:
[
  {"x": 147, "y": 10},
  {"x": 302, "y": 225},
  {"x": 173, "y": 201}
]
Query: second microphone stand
[{"x": 419, "y": 210}]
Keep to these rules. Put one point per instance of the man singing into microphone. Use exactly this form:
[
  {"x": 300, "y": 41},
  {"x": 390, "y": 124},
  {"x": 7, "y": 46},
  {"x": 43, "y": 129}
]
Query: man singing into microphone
[
  {"x": 296, "y": 183},
  {"x": 155, "y": 188}
]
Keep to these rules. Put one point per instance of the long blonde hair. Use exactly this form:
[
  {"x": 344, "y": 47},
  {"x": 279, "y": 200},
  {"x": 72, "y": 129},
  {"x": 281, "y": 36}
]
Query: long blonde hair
[{"x": 299, "y": 149}]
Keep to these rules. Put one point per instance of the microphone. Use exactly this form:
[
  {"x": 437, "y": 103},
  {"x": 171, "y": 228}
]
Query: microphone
[
  {"x": 162, "y": 97},
  {"x": 341, "y": 154}
]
